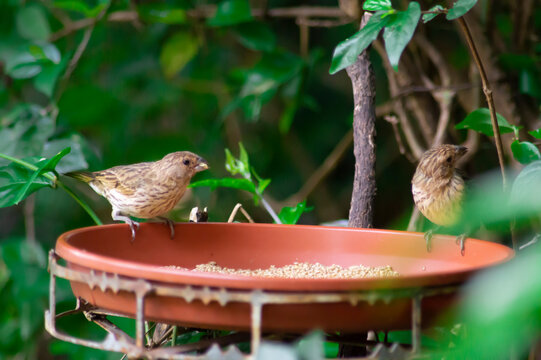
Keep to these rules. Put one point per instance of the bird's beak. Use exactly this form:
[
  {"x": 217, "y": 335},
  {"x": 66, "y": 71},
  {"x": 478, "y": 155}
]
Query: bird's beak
[
  {"x": 461, "y": 150},
  {"x": 201, "y": 165}
]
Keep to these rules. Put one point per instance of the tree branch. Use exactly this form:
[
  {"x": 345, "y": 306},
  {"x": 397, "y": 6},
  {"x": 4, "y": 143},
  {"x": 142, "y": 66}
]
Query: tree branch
[
  {"x": 488, "y": 94},
  {"x": 364, "y": 130}
]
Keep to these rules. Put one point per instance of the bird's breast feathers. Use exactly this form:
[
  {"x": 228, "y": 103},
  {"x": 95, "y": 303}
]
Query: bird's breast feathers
[{"x": 441, "y": 205}]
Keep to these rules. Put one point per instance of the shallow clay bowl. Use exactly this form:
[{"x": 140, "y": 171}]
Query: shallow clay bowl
[{"x": 250, "y": 246}]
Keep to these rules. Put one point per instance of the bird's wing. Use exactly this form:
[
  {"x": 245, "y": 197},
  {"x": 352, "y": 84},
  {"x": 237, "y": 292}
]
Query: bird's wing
[{"x": 126, "y": 180}]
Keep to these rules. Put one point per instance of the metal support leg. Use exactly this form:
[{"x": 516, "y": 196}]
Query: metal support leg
[
  {"x": 257, "y": 308},
  {"x": 416, "y": 324},
  {"x": 140, "y": 319},
  {"x": 50, "y": 316}
]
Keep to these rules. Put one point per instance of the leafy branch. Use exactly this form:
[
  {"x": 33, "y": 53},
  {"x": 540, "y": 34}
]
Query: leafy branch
[
  {"x": 398, "y": 28},
  {"x": 254, "y": 184},
  {"x": 19, "y": 181}
]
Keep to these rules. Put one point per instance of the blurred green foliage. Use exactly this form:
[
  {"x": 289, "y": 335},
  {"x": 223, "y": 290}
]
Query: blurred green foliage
[{"x": 123, "y": 81}]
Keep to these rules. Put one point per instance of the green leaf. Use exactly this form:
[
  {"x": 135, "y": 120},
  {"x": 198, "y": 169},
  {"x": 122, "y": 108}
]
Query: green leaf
[
  {"x": 238, "y": 166},
  {"x": 262, "y": 185},
  {"x": 346, "y": 52},
  {"x": 161, "y": 13},
  {"x": 428, "y": 17},
  {"x": 231, "y": 12},
  {"x": 234, "y": 183},
  {"x": 290, "y": 215},
  {"x": 399, "y": 32},
  {"x": 535, "y": 133},
  {"x": 479, "y": 120},
  {"x": 24, "y": 131},
  {"x": 529, "y": 83},
  {"x": 47, "y": 79},
  {"x": 377, "y": 5},
  {"x": 45, "y": 51},
  {"x": 44, "y": 166},
  {"x": 256, "y": 35},
  {"x": 81, "y": 6},
  {"x": 525, "y": 152},
  {"x": 13, "y": 178},
  {"x": 73, "y": 161},
  {"x": 460, "y": 8},
  {"x": 273, "y": 350},
  {"x": 32, "y": 23},
  {"x": 25, "y": 71},
  {"x": 262, "y": 82},
  {"x": 311, "y": 347},
  {"x": 243, "y": 157},
  {"x": 178, "y": 50}
]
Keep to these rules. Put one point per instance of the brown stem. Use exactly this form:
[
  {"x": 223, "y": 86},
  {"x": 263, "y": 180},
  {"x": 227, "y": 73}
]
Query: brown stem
[
  {"x": 364, "y": 130},
  {"x": 488, "y": 94}
]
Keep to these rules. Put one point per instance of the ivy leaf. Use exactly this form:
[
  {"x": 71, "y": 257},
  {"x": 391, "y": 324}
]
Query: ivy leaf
[
  {"x": 525, "y": 152},
  {"x": 231, "y": 12},
  {"x": 45, "y": 166},
  {"x": 32, "y": 23},
  {"x": 535, "y": 133},
  {"x": 347, "y": 51},
  {"x": 479, "y": 120},
  {"x": 428, "y": 17},
  {"x": 178, "y": 50},
  {"x": 13, "y": 178},
  {"x": 399, "y": 32},
  {"x": 290, "y": 215},
  {"x": 377, "y": 5},
  {"x": 234, "y": 183},
  {"x": 460, "y": 8}
]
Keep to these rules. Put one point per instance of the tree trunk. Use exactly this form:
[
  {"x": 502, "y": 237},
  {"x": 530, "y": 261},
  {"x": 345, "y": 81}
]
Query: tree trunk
[{"x": 364, "y": 130}]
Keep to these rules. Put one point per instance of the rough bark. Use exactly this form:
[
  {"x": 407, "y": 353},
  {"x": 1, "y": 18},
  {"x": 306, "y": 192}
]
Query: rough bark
[{"x": 364, "y": 131}]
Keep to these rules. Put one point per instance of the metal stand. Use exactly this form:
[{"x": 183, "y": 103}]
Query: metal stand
[{"x": 118, "y": 341}]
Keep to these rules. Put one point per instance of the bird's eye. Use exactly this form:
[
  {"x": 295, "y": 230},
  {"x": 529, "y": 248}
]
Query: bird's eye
[
  {"x": 449, "y": 159},
  {"x": 186, "y": 162}
]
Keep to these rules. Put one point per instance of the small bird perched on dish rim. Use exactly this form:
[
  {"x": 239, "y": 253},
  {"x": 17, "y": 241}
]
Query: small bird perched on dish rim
[
  {"x": 438, "y": 188},
  {"x": 145, "y": 190}
]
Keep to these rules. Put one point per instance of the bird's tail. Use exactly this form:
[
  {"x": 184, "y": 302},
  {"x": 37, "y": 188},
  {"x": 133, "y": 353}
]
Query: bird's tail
[{"x": 83, "y": 176}]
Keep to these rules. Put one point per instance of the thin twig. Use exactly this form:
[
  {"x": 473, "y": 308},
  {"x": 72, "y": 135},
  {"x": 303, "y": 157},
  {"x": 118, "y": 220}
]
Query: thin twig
[
  {"x": 328, "y": 165},
  {"x": 206, "y": 11},
  {"x": 78, "y": 54},
  {"x": 234, "y": 213},
  {"x": 488, "y": 94},
  {"x": 411, "y": 139}
]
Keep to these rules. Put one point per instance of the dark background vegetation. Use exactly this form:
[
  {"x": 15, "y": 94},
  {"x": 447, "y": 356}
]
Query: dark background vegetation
[{"x": 130, "y": 81}]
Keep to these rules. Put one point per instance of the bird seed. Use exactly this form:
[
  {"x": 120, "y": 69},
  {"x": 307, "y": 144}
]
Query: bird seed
[{"x": 300, "y": 270}]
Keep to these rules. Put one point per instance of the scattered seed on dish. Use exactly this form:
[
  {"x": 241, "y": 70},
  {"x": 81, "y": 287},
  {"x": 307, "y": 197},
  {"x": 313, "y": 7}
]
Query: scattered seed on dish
[{"x": 300, "y": 270}]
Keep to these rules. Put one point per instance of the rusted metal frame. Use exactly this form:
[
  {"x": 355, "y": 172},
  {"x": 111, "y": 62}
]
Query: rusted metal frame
[
  {"x": 206, "y": 294},
  {"x": 416, "y": 324}
]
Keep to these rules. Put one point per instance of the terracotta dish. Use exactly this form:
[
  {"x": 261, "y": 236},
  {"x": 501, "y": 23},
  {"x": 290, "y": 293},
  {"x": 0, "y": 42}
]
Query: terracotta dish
[{"x": 108, "y": 249}]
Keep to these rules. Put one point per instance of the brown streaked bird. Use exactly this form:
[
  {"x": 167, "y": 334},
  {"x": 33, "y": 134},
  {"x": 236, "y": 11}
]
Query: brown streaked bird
[
  {"x": 438, "y": 188},
  {"x": 145, "y": 190}
]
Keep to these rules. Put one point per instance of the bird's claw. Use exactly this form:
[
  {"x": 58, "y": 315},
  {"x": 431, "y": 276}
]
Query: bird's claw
[
  {"x": 461, "y": 240},
  {"x": 428, "y": 240},
  {"x": 134, "y": 226},
  {"x": 171, "y": 225}
]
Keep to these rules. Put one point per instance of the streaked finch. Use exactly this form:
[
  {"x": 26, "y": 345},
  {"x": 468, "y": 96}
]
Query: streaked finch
[
  {"x": 438, "y": 188},
  {"x": 145, "y": 190}
]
